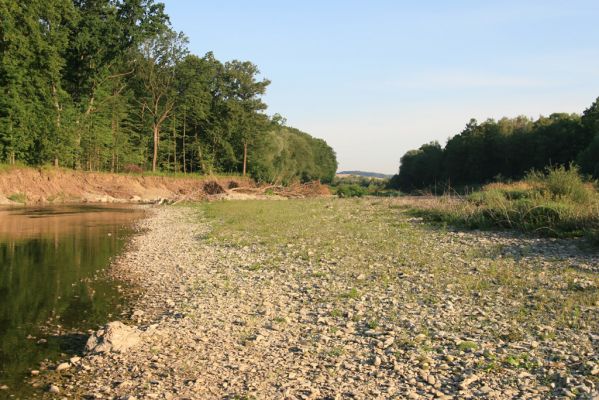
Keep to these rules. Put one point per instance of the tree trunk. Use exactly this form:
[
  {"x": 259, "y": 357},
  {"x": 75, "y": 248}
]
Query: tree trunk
[
  {"x": 156, "y": 138},
  {"x": 184, "y": 163},
  {"x": 57, "y": 121},
  {"x": 245, "y": 156},
  {"x": 175, "y": 143}
]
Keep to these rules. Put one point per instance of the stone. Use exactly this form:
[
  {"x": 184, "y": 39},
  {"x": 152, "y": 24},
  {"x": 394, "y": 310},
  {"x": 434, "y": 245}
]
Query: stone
[
  {"x": 115, "y": 337},
  {"x": 63, "y": 366},
  {"x": 53, "y": 389},
  {"x": 468, "y": 380},
  {"x": 421, "y": 337}
]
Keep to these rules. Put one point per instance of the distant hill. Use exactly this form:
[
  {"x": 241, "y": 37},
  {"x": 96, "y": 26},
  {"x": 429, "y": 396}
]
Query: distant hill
[{"x": 364, "y": 174}]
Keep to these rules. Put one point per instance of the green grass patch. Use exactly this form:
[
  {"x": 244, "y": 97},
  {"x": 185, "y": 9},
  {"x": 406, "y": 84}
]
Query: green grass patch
[
  {"x": 467, "y": 345},
  {"x": 353, "y": 293}
]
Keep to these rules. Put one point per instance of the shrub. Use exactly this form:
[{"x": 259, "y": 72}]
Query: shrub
[
  {"x": 352, "y": 190},
  {"x": 562, "y": 183}
]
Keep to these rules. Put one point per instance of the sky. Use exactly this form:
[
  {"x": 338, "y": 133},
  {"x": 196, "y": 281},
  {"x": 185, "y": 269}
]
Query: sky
[{"x": 378, "y": 78}]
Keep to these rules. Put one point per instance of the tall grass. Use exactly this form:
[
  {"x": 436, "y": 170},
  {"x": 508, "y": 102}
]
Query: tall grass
[{"x": 555, "y": 202}]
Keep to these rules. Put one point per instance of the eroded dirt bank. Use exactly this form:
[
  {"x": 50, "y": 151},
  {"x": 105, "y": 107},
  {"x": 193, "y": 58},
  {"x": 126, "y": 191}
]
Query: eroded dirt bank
[
  {"x": 345, "y": 300},
  {"x": 35, "y": 186}
]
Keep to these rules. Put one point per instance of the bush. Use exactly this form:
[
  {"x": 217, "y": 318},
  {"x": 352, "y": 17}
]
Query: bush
[
  {"x": 562, "y": 183},
  {"x": 352, "y": 190}
]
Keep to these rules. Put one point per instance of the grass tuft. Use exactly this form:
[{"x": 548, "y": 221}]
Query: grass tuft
[
  {"x": 556, "y": 202},
  {"x": 18, "y": 198}
]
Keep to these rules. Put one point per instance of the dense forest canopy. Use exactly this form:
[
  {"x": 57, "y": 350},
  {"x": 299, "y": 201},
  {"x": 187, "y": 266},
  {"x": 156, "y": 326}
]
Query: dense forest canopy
[
  {"x": 504, "y": 149},
  {"x": 108, "y": 85}
]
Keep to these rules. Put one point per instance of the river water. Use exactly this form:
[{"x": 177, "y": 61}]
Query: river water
[{"x": 53, "y": 286}]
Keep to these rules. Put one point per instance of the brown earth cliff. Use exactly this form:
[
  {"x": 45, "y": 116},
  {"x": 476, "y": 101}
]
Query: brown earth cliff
[{"x": 55, "y": 185}]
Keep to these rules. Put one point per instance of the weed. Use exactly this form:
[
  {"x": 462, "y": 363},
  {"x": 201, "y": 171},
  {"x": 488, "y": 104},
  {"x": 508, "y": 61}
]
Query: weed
[
  {"x": 336, "y": 351},
  {"x": 521, "y": 360},
  {"x": 254, "y": 267},
  {"x": 372, "y": 324},
  {"x": 18, "y": 198},
  {"x": 353, "y": 293},
  {"x": 467, "y": 346}
]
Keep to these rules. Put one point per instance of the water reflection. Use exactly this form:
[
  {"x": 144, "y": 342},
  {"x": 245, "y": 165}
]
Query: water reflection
[{"x": 50, "y": 281}]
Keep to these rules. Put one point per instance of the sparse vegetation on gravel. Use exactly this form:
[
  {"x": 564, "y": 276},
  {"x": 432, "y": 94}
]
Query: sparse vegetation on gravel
[{"x": 348, "y": 298}]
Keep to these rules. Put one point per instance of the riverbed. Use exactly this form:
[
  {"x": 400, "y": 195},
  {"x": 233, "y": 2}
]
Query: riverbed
[{"x": 53, "y": 285}]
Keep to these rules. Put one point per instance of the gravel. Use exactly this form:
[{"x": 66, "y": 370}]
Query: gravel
[{"x": 432, "y": 319}]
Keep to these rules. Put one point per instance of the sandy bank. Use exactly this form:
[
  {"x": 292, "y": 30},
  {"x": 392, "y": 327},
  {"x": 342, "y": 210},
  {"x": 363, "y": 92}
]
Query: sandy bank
[{"x": 57, "y": 186}]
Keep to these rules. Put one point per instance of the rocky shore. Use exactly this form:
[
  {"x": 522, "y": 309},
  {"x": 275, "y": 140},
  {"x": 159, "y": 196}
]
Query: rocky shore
[{"x": 217, "y": 320}]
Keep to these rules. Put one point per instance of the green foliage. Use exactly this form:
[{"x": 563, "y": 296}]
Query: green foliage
[
  {"x": 18, "y": 197},
  {"x": 467, "y": 346},
  {"x": 106, "y": 85},
  {"x": 556, "y": 202},
  {"x": 285, "y": 154},
  {"x": 562, "y": 183},
  {"x": 504, "y": 149},
  {"x": 350, "y": 190},
  {"x": 357, "y": 186},
  {"x": 353, "y": 294}
]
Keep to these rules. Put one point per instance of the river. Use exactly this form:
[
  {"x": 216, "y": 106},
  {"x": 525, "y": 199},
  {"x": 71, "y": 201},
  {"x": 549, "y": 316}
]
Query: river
[{"x": 53, "y": 285}]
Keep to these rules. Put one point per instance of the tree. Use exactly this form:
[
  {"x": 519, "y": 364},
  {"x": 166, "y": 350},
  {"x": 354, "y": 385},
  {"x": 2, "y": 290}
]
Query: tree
[
  {"x": 507, "y": 148},
  {"x": 98, "y": 59},
  {"x": 195, "y": 81},
  {"x": 157, "y": 65},
  {"x": 83, "y": 81},
  {"x": 242, "y": 93}
]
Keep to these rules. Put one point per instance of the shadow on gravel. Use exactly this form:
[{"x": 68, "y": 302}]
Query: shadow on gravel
[{"x": 71, "y": 344}]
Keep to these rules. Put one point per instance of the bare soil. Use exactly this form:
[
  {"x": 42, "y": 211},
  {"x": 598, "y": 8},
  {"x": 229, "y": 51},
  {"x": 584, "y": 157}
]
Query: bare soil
[{"x": 57, "y": 186}]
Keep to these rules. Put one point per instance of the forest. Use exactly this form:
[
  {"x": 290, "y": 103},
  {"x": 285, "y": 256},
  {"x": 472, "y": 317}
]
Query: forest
[
  {"x": 108, "y": 85},
  {"x": 503, "y": 150}
]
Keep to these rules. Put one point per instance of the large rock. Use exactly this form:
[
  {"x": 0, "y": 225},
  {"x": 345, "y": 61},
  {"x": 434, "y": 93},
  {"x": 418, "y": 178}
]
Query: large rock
[{"x": 114, "y": 337}]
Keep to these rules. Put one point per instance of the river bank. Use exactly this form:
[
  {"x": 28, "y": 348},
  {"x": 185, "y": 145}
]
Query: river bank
[
  {"x": 25, "y": 185},
  {"x": 344, "y": 299}
]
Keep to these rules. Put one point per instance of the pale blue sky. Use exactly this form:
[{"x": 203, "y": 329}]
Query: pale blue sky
[{"x": 377, "y": 78}]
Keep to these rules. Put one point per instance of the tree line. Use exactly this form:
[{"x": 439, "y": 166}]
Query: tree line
[
  {"x": 109, "y": 85},
  {"x": 503, "y": 150}
]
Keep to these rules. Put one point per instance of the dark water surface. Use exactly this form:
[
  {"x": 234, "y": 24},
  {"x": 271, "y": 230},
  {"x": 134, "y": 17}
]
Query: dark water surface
[{"x": 52, "y": 286}]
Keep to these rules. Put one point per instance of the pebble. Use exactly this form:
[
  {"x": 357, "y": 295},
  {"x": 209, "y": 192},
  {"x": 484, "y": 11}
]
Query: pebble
[{"x": 63, "y": 366}]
